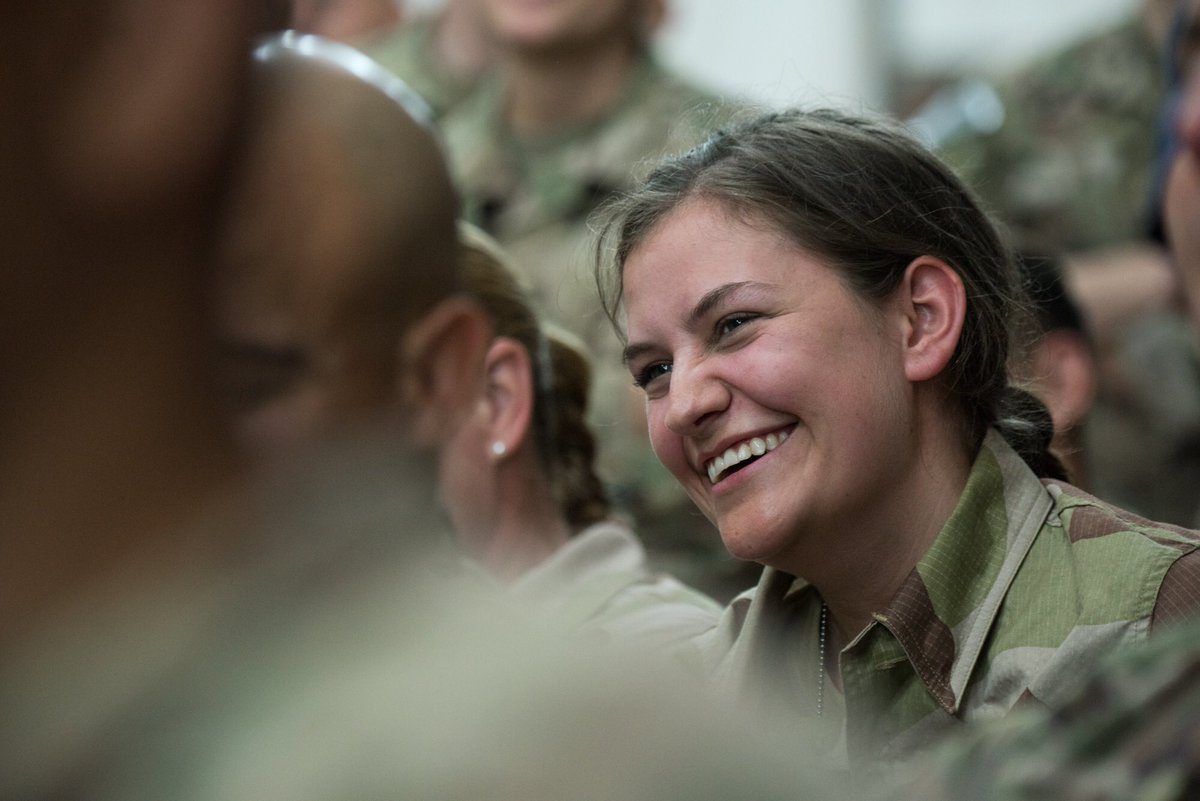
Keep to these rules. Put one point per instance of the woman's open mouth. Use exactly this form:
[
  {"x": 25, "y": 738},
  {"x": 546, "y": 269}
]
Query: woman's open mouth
[{"x": 738, "y": 456}]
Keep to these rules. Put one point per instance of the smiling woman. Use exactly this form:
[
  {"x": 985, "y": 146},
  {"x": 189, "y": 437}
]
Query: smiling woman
[{"x": 822, "y": 318}]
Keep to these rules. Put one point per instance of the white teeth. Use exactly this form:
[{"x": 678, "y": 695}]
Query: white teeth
[{"x": 756, "y": 446}]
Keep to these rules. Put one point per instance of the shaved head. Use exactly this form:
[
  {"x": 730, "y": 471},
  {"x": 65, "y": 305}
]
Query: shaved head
[{"x": 343, "y": 190}]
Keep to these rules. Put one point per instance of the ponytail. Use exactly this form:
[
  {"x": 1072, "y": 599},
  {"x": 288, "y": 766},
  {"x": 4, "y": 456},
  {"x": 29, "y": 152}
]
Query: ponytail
[{"x": 1027, "y": 427}]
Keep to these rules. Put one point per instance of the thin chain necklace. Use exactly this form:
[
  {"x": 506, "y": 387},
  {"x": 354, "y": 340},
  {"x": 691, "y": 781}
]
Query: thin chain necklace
[{"x": 821, "y": 628}]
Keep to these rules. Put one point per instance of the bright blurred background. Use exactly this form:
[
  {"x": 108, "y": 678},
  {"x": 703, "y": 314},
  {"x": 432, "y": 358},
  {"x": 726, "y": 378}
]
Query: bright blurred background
[{"x": 855, "y": 53}]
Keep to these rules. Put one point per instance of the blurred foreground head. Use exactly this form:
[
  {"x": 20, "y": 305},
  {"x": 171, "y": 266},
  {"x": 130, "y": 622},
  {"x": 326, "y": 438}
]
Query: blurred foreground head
[
  {"x": 119, "y": 120},
  {"x": 339, "y": 303},
  {"x": 122, "y": 119}
]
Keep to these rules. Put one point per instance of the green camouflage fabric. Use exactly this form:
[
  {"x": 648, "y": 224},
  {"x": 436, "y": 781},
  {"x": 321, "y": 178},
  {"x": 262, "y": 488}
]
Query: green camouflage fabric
[
  {"x": 1026, "y": 582},
  {"x": 536, "y": 197},
  {"x": 1071, "y": 166},
  {"x": 406, "y": 51},
  {"x": 1131, "y": 734}
]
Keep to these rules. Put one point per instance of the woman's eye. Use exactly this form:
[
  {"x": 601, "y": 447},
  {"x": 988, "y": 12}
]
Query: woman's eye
[
  {"x": 650, "y": 373},
  {"x": 727, "y": 325}
]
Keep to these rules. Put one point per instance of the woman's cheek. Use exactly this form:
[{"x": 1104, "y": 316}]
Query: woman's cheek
[{"x": 667, "y": 446}]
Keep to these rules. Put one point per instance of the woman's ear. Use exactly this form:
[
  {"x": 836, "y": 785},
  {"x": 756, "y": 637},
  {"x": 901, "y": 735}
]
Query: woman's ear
[
  {"x": 440, "y": 363},
  {"x": 509, "y": 395},
  {"x": 934, "y": 305}
]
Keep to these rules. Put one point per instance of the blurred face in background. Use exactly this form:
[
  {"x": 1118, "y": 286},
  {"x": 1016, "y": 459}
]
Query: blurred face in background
[
  {"x": 1182, "y": 204},
  {"x": 345, "y": 20},
  {"x": 550, "y": 25}
]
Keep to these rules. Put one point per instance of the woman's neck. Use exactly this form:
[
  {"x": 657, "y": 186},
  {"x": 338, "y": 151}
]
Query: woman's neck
[
  {"x": 552, "y": 92},
  {"x": 880, "y": 547},
  {"x": 529, "y": 526}
]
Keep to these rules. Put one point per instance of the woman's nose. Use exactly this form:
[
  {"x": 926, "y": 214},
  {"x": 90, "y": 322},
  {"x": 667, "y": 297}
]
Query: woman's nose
[{"x": 695, "y": 397}]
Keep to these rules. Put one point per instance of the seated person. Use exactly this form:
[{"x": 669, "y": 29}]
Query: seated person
[
  {"x": 574, "y": 107},
  {"x": 311, "y": 352},
  {"x": 519, "y": 483},
  {"x": 1130, "y": 733},
  {"x": 821, "y": 317}
]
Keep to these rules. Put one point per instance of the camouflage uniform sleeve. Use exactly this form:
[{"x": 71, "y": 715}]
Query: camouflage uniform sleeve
[
  {"x": 1130, "y": 734},
  {"x": 1179, "y": 594}
]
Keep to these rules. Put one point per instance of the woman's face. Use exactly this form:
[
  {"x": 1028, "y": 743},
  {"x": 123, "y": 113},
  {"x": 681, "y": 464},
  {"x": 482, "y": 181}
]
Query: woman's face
[
  {"x": 553, "y": 24},
  {"x": 775, "y": 396}
]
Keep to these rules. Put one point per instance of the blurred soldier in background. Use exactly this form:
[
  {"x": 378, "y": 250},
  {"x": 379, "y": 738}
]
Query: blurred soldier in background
[
  {"x": 346, "y": 20},
  {"x": 1062, "y": 366},
  {"x": 441, "y": 55},
  {"x": 576, "y": 109},
  {"x": 1073, "y": 170}
]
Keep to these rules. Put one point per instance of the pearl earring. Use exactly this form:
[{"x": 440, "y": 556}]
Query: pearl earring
[{"x": 499, "y": 449}]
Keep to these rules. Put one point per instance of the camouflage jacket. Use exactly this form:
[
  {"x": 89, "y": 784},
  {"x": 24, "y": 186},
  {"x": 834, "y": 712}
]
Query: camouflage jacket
[
  {"x": 1027, "y": 581},
  {"x": 1129, "y": 735}
]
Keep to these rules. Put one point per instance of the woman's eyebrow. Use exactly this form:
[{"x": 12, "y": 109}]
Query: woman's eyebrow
[
  {"x": 634, "y": 350},
  {"x": 714, "y": 297},
  {"x": 711, "y": 299}
]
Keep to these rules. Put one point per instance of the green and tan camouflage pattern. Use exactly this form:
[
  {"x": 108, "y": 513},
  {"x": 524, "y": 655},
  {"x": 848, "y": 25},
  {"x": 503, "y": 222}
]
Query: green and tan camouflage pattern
[
  {"x": 1130, "y": 734},
  {"x": 1027, "y": 582}
]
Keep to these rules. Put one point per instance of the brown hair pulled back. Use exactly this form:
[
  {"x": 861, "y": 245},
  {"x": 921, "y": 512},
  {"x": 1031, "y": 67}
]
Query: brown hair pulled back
[
  {"x": 562, "y": 381},
  {"x": 868, "y": 199}
]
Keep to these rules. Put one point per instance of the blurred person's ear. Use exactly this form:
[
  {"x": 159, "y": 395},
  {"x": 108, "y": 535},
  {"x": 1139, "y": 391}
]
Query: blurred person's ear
[
  {"x": 441, "y": 359},
  {"x": 508, "y": 392},
  {"x": 1065, "y": 373}
]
